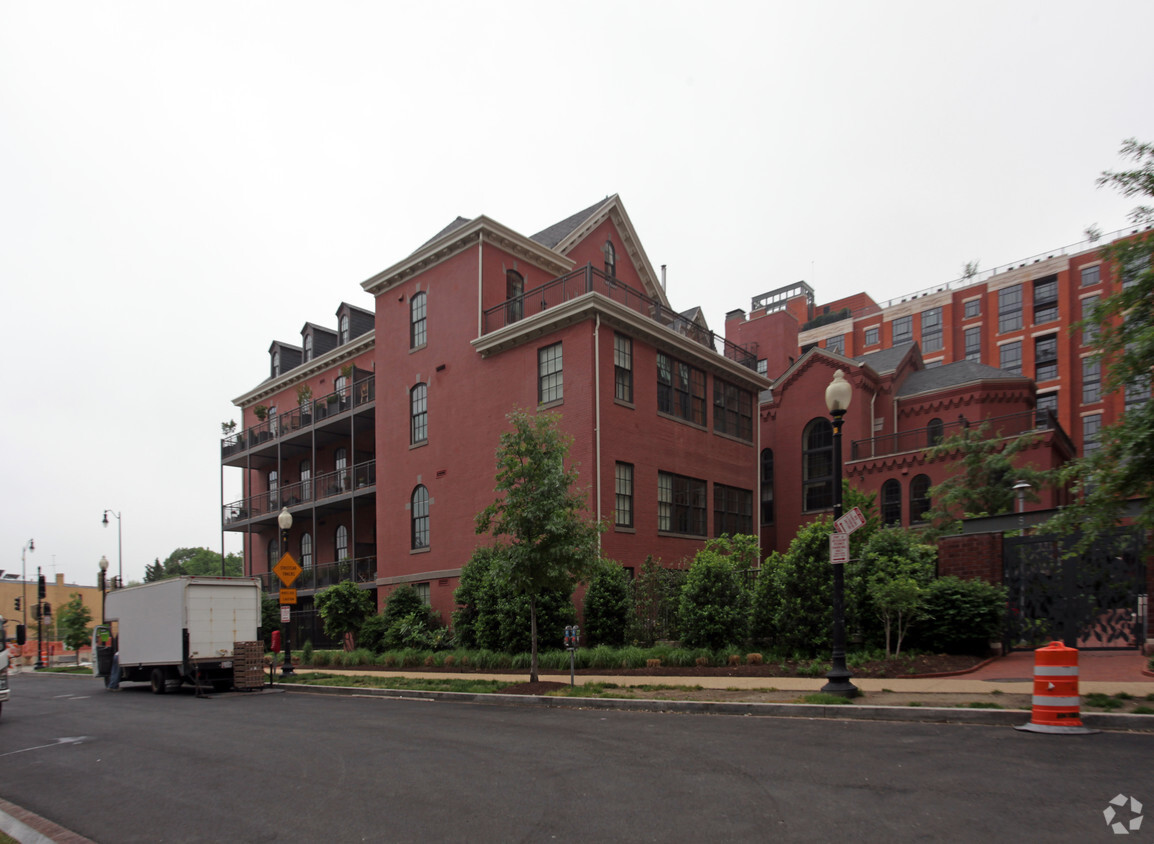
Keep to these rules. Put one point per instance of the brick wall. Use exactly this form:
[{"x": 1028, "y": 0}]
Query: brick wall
[{"x": 975, "y": 556}]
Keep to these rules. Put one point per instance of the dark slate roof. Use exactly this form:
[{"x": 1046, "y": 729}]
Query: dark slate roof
[
  {"x": 453, "y": 226},
  {"x": 951, "y": 375},
  {"x": 886, "y": 360},
  {"x": 557, "y": 232}
]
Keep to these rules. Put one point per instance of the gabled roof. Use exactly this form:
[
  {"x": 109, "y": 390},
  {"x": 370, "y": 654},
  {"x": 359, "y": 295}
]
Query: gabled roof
[
  {"x": 559, "y": 231},
  {"x": 887, "y": 360},
  {"x": 453, "y": 226},
  {"x": 952, "y": 375}
]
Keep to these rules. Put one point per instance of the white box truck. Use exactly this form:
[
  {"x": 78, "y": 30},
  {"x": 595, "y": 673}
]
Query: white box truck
[
  {"x": 183, "y": 629},
  {"x": 5, "y": 659}
]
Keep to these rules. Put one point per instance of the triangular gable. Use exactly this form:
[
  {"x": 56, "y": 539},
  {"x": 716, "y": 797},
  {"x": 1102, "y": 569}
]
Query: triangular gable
[
  {"x": 583, "y": 223},
  {"x": 820, "y": 357}
]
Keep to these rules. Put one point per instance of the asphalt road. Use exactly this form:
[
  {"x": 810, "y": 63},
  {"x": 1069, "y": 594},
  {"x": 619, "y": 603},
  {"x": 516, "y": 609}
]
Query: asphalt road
[{"x": 132, "y": 767}]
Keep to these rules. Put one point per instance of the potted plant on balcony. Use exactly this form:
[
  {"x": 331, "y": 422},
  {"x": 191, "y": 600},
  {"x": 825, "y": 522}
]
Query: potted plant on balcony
[
  {"x": 305, "y": 403},
  {"x": 261, "y": 413},
  {"x": 227, "y": 430}
]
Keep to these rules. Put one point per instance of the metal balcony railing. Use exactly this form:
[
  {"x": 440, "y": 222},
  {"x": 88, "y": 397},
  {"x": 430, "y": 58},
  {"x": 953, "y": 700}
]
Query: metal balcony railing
[
  {"x": 301, "y": 417},
  {"x": 1011, "y": 425},
  {"x": 357, "y": 478},
  {"x": 588, "y": 279},
  {"x": 360, "y": 570}
]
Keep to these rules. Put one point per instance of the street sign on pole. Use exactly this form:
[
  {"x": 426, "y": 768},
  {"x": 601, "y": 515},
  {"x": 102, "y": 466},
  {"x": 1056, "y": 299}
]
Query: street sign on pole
[
  {"x": 838, "y": 548},
  {"x": 288, "y": 596},
  {"x": 850, "y": 522},
  {"x": 284, "y": 614},
  {"x": 287, "y": 569}
]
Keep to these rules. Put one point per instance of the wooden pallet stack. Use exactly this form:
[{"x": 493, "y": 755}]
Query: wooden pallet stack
[{"x": 247, "y": 665}]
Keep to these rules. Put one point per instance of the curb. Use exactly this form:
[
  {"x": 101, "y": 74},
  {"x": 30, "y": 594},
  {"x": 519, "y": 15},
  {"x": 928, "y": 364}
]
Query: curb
[{"x": 1111, "y": 722}]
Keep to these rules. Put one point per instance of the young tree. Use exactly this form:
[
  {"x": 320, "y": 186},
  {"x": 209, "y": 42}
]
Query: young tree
[
  {"x": 343, "y": 609},
  {"x": 896, "y": 569},
  {"x": 73, "y": 622},
  {"x": 982, "y": 478},
  {"x": 607, "y": 606},
  {"x": 1104, "y": 481},
  {"x": 714, "y": 601},
  {"x": 546, "y": 541},
  {"x": 193, "y": 561}
]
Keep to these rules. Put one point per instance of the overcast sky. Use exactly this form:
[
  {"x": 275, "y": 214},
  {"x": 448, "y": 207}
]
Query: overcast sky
[{"x": 180, "y": 184}]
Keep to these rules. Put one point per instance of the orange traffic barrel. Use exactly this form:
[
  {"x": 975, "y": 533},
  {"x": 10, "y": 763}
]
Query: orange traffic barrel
[{"x": 1056, "y": 705}]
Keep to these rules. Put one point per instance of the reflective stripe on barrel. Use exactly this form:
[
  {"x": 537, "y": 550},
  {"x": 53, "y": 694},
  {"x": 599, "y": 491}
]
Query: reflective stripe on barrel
[{"x": 1056, "y": 702}]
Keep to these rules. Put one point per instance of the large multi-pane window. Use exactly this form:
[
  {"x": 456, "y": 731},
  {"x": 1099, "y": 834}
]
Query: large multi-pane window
[
  {"x": 341, "y": 543},
  {"x": 1046, "y": 357},
  {"x": 1046, "y": 299},
  {"x": 273, "y": 481},
  {"x": 308, "y": 350},
  {"x": 932, "y": 330},
  {"x": 1045, "y": 407},
  {"x": 767, "y": 486},
  {"x": 903, "y": 329},
  {"x": 419, "y": 518},
  {"x": 344, "y": 329},
  {"x": 872, "y": 336},
  {"x": 836, "y": 344},
  {"x": 1133, "y": 270},
  {"x": 1010, "y": 308},
  {"x": 622, "y": 368},
  {"x": 549, "y": 380},
  {"x": 417, "y": 321},
  {"x": 514, "y": 296},
  {"x": 419, "y": 414},
  {"x": 1010, "y": 357},
  {"x": 935, "y": 432},
  {"x": 623, "y": 491},
  {"x": 1091, "y": 433},
  {"x": 341, "y": 465},
  {"x": 817, "y": 465},
  {"x": 1090, "y": 329},
  {"x": 973, "y": 338},
  {"x": 892, "y": 502},
  {"x": 680, "y": 504},
  {"x": 732, "y": 410},
  {"x": 1091, "y": 275},
  {"x": 1091, "y": 380},
  {"x": 306, "y": 469},
  {"x": 680, "y": 389},
  {"x": 1137, "y": 392},
  {"x": 973, "y": 308},
  {"x": 732, "y": 510},
  {"x": 610, "y": 259},
  {"x": 919, "y": 498}
]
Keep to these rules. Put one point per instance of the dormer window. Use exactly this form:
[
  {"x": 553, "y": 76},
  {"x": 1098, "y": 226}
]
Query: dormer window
[
  {"x": 344, "y": 337},
  {"x": 275, "y": 363},
  {"x": 308, "y": 347},
  {"x": 610, "y": 259}
]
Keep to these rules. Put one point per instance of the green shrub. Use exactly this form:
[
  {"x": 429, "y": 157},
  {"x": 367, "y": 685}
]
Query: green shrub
[
  {"x": 307, "y": 652},
  {"x": 713, "y": 612},
  {"x": 960, "y": 616},
  {"x": 607, "y": 606},
  {"x": 801, "y": 591}
]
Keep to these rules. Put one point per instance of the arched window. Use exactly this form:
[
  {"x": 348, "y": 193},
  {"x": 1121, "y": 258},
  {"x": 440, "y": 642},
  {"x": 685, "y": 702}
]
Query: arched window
[
  {"x": 341, "y": 465},
  {"x": 344, "y": 329},
  {"x": 273, "y": 488},
  {"x": 934, "y": 432},
  {"x": 276, "y": 363},
  {"x": 767, "y": 486},
  {"x": 417, "y": 321},
  {"x": 308, "y": 347},
  {"x": 419, "y": 516},
  {"x": 342, "y": 543},
  {"x": 514, "y": 293},
  {"x": 919, "y": 498},
  {"x": 306, "y": 551},
  {"x": 817, "y": 465},
  {"x": 273, "y": 552},
  {"x": 610, "y": 259},
  {"x": 418, "y": 414},
  {"x": 306, "y": 480},
  {"x": 892, "y": 502}
]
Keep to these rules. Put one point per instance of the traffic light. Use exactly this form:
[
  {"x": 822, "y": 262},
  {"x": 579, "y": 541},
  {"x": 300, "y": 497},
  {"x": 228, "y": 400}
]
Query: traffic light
[
  {"x": 43, "y": 588},
  {"x": 21, "y": 634},
  {"x": 17, "y": 605},
  {"x": 47, "y": 608}
]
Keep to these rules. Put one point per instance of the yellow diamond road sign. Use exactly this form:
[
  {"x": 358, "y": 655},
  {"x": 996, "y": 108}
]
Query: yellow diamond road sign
[{"x": 287, "y": 569}]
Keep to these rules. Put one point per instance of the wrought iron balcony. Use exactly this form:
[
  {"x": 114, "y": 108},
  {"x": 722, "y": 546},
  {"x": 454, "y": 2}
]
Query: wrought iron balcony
[
  {"x": 329, "y": 485},
  {"x": 588, "y": 279},
  {"x": 360, "y": 570},
  {"x": 1011, "y": 425}
]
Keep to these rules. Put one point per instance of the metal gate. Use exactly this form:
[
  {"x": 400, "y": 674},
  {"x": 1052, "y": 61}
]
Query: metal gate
[{"x": 1092, "y": 601}]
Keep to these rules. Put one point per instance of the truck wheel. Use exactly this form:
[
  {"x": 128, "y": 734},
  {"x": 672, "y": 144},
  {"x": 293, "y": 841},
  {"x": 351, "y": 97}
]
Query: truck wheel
[{"x": 159, "y": 681}]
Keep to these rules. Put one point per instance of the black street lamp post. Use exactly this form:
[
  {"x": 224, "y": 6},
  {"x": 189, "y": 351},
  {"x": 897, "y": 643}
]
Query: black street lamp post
[
  {"x": 837, "y": 398},
  {"x": 119, "y": 546},
  {"x": 103, "y": 582},
  {"x": 285, "y": 520},
  {"x": 28, "y": 546}
]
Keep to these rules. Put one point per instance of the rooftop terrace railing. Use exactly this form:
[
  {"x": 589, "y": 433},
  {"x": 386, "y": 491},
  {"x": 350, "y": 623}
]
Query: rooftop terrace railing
[
  {"x": 588, "y": 279},
  {"x": 1011, "y": 425}
]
